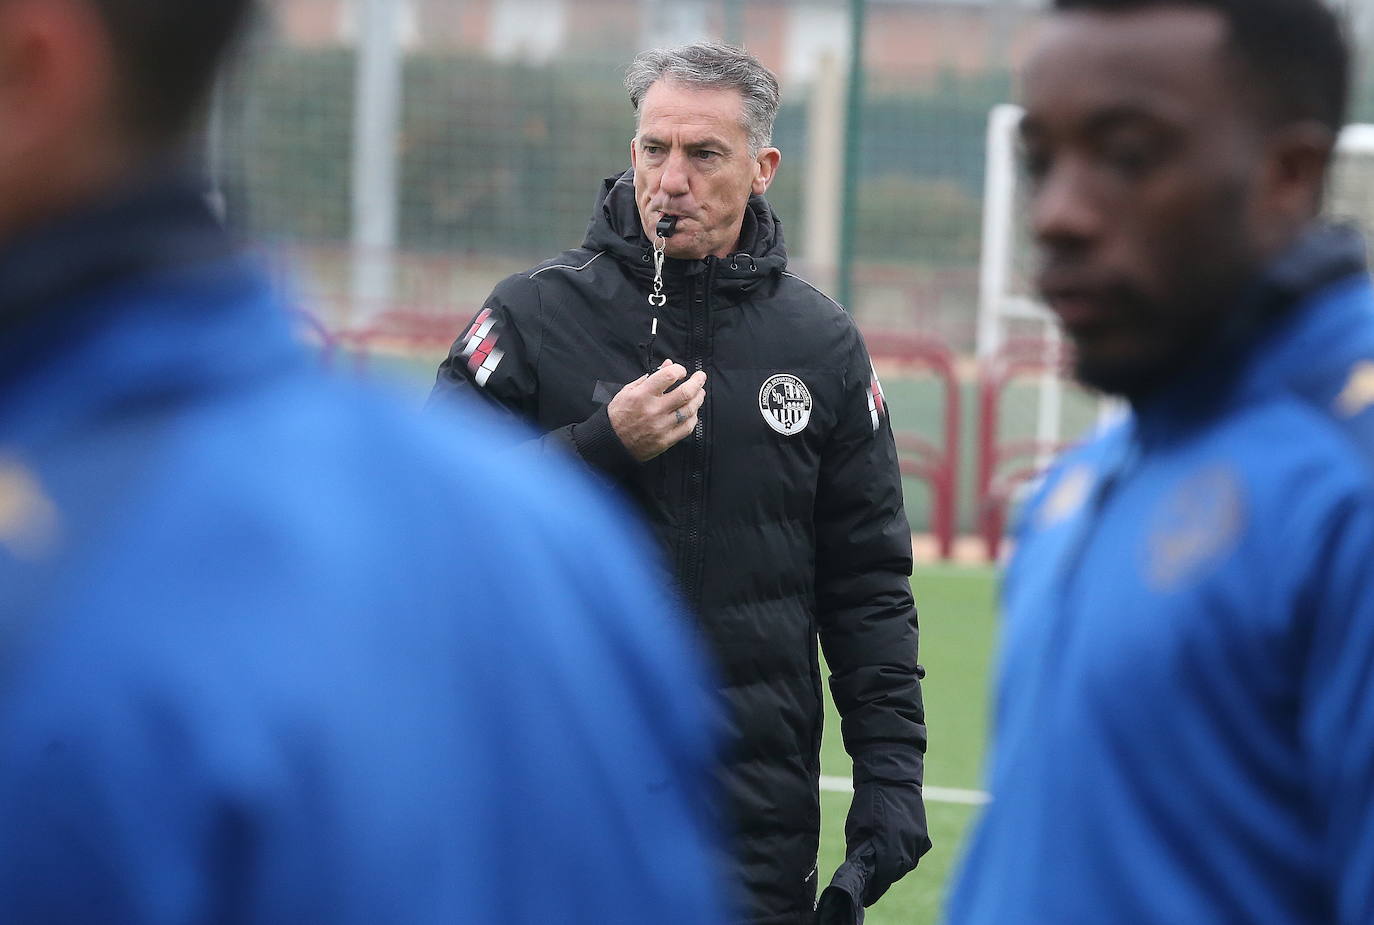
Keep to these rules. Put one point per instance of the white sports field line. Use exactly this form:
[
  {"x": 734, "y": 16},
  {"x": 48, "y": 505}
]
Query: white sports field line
[{"x": 932, "y": 794}]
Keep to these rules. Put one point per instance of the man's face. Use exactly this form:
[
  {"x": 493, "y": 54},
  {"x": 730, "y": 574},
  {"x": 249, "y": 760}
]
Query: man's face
[
  {"x": 691, "y": 158},
  {"x": 1145, "y": 169}
]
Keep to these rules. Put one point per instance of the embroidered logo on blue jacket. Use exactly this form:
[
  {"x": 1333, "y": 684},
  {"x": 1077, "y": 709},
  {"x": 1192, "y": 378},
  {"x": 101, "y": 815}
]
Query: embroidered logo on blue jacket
[
  {"x": 1198, "y": 523},
  {"x": 1358, "y": 394}
]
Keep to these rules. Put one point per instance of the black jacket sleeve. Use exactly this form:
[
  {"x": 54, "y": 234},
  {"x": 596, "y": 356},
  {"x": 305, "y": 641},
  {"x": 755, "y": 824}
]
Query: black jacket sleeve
[
  {"x": 496, "y": 360},
  {"x": 869, "y": 633}
]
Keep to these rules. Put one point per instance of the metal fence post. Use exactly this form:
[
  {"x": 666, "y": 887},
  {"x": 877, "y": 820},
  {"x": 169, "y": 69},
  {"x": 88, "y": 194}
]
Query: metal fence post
[
  {"x": 852, "y": 130},
  {"x": 824, "y": 211},
  {"x": 376, "y": 124}
]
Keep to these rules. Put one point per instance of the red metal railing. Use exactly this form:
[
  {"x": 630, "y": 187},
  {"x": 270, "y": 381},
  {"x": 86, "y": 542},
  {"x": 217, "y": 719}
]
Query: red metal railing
[
  {"x": 918, "y": 456},
  {"x": 404, "y": 329},
  {"x": 315, "y": 328},
  {"x": 997, "y": 479}
]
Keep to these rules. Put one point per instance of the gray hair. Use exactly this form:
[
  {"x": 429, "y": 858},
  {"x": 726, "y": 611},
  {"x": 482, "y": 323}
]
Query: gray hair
[{"x": 714, "y": 66}]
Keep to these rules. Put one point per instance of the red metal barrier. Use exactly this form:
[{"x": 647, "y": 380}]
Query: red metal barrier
[
  {"x": 314, "y": 327},
  {"x": 918, "y": 456},
  {"x": 996, "y": 482},
  {"x": 407, "y": 329}
]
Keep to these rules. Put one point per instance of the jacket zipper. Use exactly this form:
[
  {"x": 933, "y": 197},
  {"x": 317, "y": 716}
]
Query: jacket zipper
[{"x": 699, "y": 307}]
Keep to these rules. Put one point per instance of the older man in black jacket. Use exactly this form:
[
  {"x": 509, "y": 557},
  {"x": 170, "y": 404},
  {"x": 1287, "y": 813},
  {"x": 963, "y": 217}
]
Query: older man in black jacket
[{"x": 738, "y": 406}]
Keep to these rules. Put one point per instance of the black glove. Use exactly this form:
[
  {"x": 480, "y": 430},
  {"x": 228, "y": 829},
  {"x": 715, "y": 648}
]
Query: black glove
[
  {"x": 885, "y": 833},
  {"x": 837, "y": 907}
]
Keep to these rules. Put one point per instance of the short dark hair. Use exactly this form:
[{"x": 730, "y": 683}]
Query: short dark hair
[
  {"x": 166, "y": 54},
  {"x": 1292, "y": 52}
]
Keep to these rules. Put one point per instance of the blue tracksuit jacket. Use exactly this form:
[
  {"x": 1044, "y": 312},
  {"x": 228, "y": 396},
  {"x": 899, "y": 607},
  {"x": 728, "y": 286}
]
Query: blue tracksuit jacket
[
  {"x": 1184, "y": 722},
  {"x": 272, "y": 650}
]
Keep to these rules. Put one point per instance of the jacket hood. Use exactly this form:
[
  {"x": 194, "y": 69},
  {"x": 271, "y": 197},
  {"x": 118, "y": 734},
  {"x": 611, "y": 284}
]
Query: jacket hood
[{"x": 615, "y": 228}]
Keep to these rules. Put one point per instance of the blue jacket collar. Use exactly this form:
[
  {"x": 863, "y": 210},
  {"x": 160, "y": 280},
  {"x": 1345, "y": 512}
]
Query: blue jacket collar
[
  {"x": 138, "y": 296},
  {"x": 143, "y": 227},
  {"x": 1259, "y": 346}
]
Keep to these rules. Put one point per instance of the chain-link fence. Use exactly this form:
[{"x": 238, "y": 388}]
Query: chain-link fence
[{"x": 411, "y": 152}]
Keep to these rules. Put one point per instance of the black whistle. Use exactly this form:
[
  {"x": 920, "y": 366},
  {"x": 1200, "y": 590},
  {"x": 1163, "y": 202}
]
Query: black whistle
[{"x": 666, "y": 226}]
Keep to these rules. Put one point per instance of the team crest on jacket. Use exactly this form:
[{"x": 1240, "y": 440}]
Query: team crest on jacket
[
  {"x": 1196, "y": 525},
  {"x": 1358, "y": 394},
  {"x": 1068, "y": 495},
  {"x": 785, "y": 403},
  {"x": 28, "y": 520}
]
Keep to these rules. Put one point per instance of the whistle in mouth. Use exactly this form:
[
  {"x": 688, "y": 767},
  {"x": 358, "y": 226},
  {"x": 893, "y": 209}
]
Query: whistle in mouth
[{"x": 666, "y": 226}]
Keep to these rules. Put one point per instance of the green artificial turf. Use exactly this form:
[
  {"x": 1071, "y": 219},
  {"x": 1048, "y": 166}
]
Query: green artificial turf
[{"x": 958, "y": 627}]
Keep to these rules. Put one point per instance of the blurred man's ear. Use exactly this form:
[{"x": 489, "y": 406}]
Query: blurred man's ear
[{"x": 1296, "y": 166}]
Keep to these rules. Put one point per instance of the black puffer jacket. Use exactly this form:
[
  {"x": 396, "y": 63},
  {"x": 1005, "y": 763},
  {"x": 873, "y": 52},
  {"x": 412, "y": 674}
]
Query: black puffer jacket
[{"x": 782, "y": 515}]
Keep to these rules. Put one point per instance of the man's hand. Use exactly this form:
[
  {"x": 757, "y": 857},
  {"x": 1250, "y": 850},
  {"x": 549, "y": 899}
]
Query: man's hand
[
  {"x": 885, "y": 832},
  {"x": 648, "y": 418}
]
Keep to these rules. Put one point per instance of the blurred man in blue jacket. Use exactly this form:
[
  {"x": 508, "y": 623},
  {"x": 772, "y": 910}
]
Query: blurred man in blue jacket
[
  {"x": 241, "y": 678},
  {"x": 1185, "y": 712}
]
